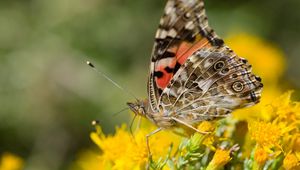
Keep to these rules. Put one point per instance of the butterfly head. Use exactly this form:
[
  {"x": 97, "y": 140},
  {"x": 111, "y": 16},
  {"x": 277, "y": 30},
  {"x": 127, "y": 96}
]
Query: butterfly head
[{"x": 138, "y": 107}]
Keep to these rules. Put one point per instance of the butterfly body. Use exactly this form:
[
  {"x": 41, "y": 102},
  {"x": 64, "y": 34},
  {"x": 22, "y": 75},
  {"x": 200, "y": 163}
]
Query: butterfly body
[
  {"x": 194, "y": 76},
  {"x": 160, "y": 119}
]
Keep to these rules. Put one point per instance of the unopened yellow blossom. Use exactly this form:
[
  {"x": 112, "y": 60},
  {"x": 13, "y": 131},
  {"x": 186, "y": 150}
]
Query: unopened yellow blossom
[
  {"x": 260, "y": 156},
  {"x": 221, "y": 158},
  {"x": 291, "y": 162},
  {"x": 11, "y": 162}
]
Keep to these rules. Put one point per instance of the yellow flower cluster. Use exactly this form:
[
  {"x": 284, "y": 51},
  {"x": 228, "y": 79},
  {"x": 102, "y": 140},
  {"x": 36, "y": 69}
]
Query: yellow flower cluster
[
  {"x": 124, "y": 151},
  {"x": 279, "y": 135},
  {"x": 272, "y": 140},
  {"x": 265, "y": 134}
]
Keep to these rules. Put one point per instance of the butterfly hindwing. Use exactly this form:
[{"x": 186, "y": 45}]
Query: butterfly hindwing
[
  {"x": 210, "y": 84},
  {"x": 183, "y": 29}
]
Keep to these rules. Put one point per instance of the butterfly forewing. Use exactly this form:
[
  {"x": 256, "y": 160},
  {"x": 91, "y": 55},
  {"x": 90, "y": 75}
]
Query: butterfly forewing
[{"x": 183, "y": 29}]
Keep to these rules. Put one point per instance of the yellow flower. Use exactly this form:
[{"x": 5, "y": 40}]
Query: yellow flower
[
  {"x": 285, "y": 115},
  {"x": 283, "y": 109},
  {"x": 221, "y": 158},
  {"x": 296, "y": 144},
  {"x": 89, "y": 160},
  {"x": 259, "y": 110},
  {"x": 206, "y": 126},
  {"x": 260, "y": 156},
  {"x": 112, "y": 146},
  {"x": 266, "y": 135},
  {"x": 129, "y": 151},
  {"x": 11, "y": 162},
  {"x": 291, "y": 162}
]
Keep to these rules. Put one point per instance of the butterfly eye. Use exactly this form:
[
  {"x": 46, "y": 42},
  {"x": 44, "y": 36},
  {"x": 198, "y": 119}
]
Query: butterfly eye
[
  {"x": 219, "y": 65},
  {"x": 237, "y": 86}
]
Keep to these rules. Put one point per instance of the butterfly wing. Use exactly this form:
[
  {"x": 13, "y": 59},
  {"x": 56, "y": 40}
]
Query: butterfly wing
[
  {"x": 210, "y": 84},
  {"x": 183, "y": 29}
]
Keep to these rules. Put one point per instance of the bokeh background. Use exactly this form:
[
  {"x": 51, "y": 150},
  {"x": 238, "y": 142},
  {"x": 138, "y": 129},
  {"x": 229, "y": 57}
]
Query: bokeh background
[{"x": 49, "y": 96}]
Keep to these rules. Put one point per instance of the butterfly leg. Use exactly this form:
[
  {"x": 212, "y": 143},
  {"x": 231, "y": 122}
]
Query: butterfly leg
[
  {"x": 138, "y": 123},
  {"x": 188, "y": 125},
  {"x": 147, "y": 140},
  {"x": 131, "y": 125}
]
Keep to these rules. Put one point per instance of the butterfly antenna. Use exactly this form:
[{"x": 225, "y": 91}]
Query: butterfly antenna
[
  {"x": 115, "y": 114},
  {"x": 110, "y": 80}
]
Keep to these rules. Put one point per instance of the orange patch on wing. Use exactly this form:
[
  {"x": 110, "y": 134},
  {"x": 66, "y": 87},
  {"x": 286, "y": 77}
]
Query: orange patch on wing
[
  {"x": 183, "y": 51},
  {"x": 187, "y": 49},
  {"x": 164, "y": 81}
]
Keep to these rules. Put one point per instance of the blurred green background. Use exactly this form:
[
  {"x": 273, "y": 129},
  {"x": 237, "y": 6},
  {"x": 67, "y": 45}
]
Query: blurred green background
[{"x": 49, "y": 96}]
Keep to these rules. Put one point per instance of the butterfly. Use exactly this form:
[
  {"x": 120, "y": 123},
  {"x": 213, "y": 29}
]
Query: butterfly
[{"x": 194, "y": 76}]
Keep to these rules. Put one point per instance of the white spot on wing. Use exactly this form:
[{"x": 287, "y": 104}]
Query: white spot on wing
[
  {"x": 161, "y": 34},
  {"x": 190, "y": 25},
  {"x": 172, "y": 33},
  {"x": 206, "y": 64}
]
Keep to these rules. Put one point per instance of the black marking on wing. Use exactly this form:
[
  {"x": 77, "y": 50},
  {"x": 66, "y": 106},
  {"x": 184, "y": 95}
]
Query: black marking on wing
[
  {"x": 158, "y": 74},
  {"x": 176, "y": 68},
  {"x": 169, "y": 70},
  {"x": 168, "y": 54}
]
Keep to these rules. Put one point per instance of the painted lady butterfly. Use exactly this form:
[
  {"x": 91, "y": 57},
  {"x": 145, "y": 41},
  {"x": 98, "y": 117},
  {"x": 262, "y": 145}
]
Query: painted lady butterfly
[{"x": 194, "y": 76}]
